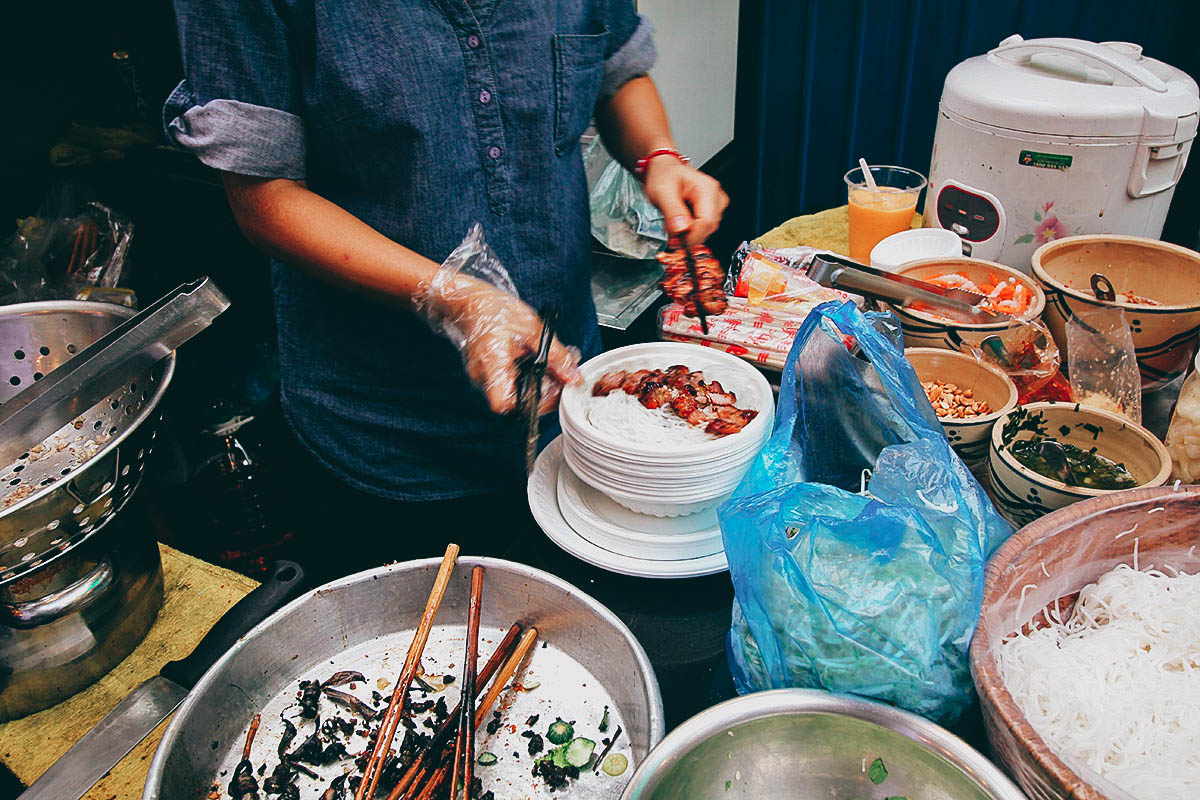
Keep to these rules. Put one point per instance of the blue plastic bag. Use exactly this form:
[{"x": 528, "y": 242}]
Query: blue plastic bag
[{"x": 857, "y": 540}]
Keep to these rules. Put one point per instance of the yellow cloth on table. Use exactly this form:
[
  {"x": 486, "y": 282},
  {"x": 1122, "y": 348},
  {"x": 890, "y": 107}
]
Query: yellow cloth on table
[
  {"x": 195, "y": 595},
  {"x": 825, "y": 230}
]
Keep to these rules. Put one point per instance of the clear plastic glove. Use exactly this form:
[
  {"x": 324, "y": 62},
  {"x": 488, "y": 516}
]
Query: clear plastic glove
[{"x": 472, "y": 301}]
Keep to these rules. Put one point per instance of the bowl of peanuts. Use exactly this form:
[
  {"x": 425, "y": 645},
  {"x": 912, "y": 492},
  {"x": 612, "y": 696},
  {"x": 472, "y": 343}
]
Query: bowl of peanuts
[{"x": 968, "y": 397}]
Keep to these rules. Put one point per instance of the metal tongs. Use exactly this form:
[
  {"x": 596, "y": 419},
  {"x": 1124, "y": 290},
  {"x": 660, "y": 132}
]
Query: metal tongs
[
  {"x": 530, "y": 371},
  {"x": 960, "y": 305},
  {"x": 102, "y": 367}
]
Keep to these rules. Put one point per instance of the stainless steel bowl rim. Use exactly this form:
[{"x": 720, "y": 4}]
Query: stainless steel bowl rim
[
  {"x": 657, "y": 718},
  {"x": 147, "y": 410},
  {"x": 777, "y": 702}
]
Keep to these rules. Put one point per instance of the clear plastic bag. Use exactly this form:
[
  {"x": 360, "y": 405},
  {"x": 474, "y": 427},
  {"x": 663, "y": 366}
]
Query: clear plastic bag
[
  {"x": 1028, "y": 354},
  {"x": 623, "y": 219},
  {"x": 52, "y": 257},
  {"x": 1102, "y": 362},
  {"x": 857, "y": 540}
]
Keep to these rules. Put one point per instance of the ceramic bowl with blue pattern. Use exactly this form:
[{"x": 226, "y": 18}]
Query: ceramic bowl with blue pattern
[
  {"x": 1165, "y": 330},
  {"x": 968, "y": 436},
  {"x": 925, "y": 329},
  {"x": 1022, "y": 495}
]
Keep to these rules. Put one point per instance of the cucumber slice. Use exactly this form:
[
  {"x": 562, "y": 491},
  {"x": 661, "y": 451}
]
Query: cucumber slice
[
  {"x": 487, "y": 759},
  {"x": 560, "y": 731},
  {"x": 615, "y": 764},
  {"x": 579, "y": 752}
]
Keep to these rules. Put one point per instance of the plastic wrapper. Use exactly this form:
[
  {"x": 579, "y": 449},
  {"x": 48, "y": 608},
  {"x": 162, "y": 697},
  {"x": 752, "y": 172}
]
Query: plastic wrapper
[
  {"x": 1102, "y": 362},
  {"x": 1044, "y": 577},
  {"x": 56, "y": 257},
  {"x": 472, "y": 301},
  {"x": 623, "y": 219},
  {"x": 1027, "y": 354},
  {"x": 857, "y": 540},
  {"x": 761, "y": 335}
]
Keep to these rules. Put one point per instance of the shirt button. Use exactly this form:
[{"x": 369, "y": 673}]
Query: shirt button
[
  {"x": 494, "y": 151},
  {"x": 485, "y": 97},
  {"x": 473, "y": 41}
]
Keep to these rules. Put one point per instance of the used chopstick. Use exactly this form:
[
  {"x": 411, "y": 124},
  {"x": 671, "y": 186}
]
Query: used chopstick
[
  {"x": 395, "y": 708},
  {"x": 485, "y": 705},
  {"x": 464, "y": 755},
  {"x": 449, "y": 726}
]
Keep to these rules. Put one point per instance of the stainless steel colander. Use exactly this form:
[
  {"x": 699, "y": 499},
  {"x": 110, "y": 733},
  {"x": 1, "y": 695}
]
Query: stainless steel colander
[{"x": 65, "y": 488}]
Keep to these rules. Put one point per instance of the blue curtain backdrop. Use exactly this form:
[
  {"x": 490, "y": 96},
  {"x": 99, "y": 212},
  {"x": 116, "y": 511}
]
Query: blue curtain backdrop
[{"x": 822, "y": 82}]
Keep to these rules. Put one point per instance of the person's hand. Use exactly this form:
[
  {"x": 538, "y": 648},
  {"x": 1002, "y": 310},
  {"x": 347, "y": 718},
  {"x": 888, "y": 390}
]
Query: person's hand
[
  {"x": 691, "y": 202},
  {"x": 494, "y": 330}
]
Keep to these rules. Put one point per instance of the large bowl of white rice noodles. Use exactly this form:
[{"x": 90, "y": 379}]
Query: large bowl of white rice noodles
[
  {"x": 1087, "y": 653},
  {"x": 650, "y": 460}
]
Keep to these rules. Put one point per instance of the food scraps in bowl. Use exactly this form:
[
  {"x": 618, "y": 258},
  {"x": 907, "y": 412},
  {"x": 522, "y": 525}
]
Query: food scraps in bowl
[
  {"x": 950, "y": 401},
  {"x": 681, "y": 392}
]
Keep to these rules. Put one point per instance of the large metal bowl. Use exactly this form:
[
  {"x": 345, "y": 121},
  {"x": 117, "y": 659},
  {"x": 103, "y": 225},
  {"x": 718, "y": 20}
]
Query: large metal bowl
[
  {"x": 803, "y": 744},
  {"x": 338, "y": 616}
]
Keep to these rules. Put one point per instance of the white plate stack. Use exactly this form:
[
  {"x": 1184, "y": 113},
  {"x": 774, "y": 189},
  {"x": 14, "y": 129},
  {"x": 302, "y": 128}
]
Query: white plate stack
[{"x": 644, "y": 509}]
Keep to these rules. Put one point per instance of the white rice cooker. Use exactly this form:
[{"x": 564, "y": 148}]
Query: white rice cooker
[{"x": 1048, "y": 138}]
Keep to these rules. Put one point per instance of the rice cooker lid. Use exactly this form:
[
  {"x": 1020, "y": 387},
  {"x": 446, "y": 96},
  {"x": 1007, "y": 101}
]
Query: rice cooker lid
[{"x": 1071, "y": 87}]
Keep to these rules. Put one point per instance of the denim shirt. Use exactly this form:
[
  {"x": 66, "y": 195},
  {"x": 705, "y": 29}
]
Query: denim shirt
[{"x": 419, "y": 117}]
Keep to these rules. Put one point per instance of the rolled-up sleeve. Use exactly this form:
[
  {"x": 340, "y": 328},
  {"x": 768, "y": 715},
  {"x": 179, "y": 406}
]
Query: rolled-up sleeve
[
  {"x": 238, "y": 108},
  {"x": 631, "y": 47}
]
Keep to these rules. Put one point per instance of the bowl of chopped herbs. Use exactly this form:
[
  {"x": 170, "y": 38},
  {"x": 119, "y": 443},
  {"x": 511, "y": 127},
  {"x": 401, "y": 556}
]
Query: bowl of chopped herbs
[{"x": 1044, "y": 456}]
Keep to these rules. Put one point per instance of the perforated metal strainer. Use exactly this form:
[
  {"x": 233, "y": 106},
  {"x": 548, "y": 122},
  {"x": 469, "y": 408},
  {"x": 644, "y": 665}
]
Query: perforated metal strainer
[{"x": 72, "y": 483}]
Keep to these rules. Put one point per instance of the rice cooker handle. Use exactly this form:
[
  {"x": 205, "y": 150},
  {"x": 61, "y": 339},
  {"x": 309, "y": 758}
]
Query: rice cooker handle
[{"x": 1069, "y": 57}]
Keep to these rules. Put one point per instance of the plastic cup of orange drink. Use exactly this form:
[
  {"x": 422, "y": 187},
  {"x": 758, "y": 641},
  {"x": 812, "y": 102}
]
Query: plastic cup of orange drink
[{"x": 877, "y": 214}]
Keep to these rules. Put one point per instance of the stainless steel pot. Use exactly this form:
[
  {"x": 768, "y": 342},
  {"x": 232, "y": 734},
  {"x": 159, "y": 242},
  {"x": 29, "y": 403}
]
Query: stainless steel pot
[
  {"x": 801, "y": 743},
  {"x": 76, "y": 593},
  {"x": 314, "y": 631}
]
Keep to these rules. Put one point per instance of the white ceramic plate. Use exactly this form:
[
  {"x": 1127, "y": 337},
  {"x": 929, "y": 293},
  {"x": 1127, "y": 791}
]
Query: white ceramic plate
[
  {"x": 542, "y": 491},
  {"x": 607, "y": 524}
]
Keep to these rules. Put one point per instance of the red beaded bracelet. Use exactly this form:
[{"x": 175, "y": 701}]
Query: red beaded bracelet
[{"x": 643, "y": 163}]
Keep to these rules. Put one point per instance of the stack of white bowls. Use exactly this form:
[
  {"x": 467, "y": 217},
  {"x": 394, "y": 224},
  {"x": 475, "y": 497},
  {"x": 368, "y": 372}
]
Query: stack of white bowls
[{"x": 666, "y": 481}]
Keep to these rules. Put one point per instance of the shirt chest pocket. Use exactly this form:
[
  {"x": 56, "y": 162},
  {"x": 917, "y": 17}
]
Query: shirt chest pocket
[{"x": 578, "y": 71}]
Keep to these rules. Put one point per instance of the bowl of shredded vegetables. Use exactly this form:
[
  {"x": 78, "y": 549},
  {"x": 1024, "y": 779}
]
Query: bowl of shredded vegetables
[
  {"x": 1087, "y": 653},
  {"x": 1044, "y": 456},
  {"x": 1004, "y": 290},
  {"x": 1156, "y": 284}
]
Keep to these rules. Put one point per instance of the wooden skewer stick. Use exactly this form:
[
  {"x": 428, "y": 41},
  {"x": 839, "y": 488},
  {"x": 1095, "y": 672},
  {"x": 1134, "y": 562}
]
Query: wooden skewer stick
[
  {"x": 416, "y": 772},
  {"x": 254, "y": 723},
  {"x": 485, "y": 705},
  {"x": 465, "y": 755},
  {"x": 395, "y": 708}
]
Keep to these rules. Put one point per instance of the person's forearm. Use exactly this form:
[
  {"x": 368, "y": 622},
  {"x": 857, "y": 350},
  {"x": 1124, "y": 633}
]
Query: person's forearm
[
  {"x": 307, "y": 231},
  {"x": 633, "y": 122}
]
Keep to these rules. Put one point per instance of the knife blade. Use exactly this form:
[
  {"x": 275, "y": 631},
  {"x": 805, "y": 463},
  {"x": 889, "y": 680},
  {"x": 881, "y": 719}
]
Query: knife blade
[{"x": 123, "y": 728}]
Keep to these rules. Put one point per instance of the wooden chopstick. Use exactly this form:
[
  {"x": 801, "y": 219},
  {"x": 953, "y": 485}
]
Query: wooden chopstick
[
  {"x": 449, "y": 726},
  {"x": 464, "y": 750},
  {"x": 395, "y": 708},
  {"x": 485, "y": 705}
]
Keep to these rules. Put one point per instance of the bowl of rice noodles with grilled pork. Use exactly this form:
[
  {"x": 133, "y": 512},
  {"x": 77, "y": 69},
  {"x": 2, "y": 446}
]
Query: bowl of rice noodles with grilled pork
[{"x": 665, "y": 428}]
